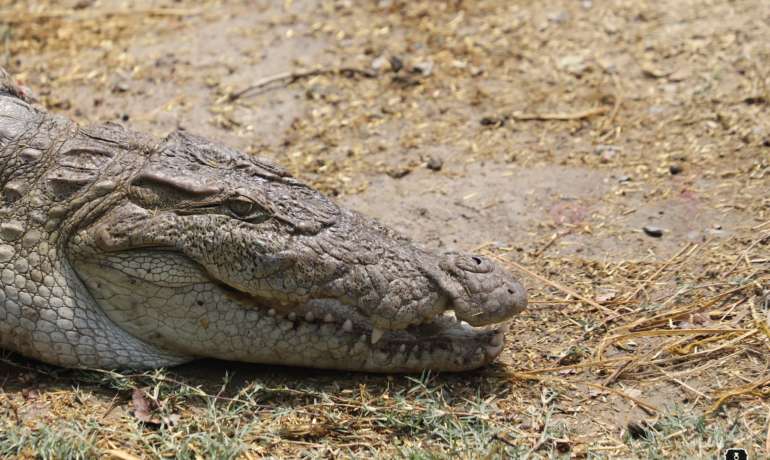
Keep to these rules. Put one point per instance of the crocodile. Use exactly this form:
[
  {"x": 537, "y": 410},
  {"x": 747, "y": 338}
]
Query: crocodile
[{"x": 122, "y": 251}]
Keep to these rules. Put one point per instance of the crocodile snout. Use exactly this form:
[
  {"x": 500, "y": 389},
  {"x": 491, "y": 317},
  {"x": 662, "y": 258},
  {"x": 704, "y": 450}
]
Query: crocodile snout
[{"x": 481, "y": 292}]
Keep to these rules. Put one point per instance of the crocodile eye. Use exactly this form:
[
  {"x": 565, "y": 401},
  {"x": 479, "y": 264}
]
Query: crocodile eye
[{"x": 241, "y": 208}]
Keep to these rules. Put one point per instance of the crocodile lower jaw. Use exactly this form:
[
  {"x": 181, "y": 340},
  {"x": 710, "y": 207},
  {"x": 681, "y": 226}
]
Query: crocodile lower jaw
[{"x": 443, "y": 331}]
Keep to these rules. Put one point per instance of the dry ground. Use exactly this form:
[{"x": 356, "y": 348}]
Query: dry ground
[{"x": 546, "y": 135}]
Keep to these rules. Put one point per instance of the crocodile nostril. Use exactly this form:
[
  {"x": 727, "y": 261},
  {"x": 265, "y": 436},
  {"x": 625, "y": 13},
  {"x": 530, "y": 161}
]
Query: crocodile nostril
[
  {"x": 511, "y": 291},
  {"x": 477, "y": 260}
]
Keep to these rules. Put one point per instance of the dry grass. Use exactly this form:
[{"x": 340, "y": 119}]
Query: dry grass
[{"x": 632, "y": 347}]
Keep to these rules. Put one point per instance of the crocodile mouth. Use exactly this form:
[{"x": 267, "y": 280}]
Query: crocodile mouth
[
  {"x": 472, "y": 345},
  {"x": 174, "y": 303}
]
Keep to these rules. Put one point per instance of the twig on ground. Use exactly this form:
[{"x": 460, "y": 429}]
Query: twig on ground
[
  {"x": 581, "y": 365},
  {"x": 750, "y": 388},
  {"x": 760, "y": 322},
  {"x": 657, "y": 273},
  {"x": 616, "y": 106},
  {"x": 767, "y": 437},
  {"x": 664, "y": 318},
  {"x": 743, "y": 255},
  {"x": 519, "y": 116},
  {"x": 607, "y": 341},
  {"x": 693, "y": 370},
  {"x": 554, "y": 238},
  {"x": 683, "y": 385},
  {"x": 645, "y": 406},
  {"x": 541, "y": 378},
  {"x": 618, "y": 371},
  {"x": 704, "y": 353},
  {"x": 563, "y": 289},
  {"x": 111, "y": 407},
  {"x": 543, "y": 435},
  {"x": 502, "y": 437},
  {"x": 291, "y": 77}
]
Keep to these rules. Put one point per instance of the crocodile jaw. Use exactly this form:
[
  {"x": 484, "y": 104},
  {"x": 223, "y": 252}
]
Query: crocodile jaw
[{"x": 177, "y": 306}]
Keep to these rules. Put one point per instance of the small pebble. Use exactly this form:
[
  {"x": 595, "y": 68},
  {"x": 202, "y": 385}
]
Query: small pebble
[
  {"x": 573, "y": 63},
  {"x": 396, "y": 63},
  {"x": 435, "y": 164},
  {"x": 491, "y": 121},
  {"x": 398, "y": 173},
  {"x": 675, "y": 169},
  {"x": 559, "y": 16},
  {"x": 380, "y": 63},
  {"x": 83, "y": 4},
  {"x": 424, "y": 68},
  {"x": 606, "y": 152},
  {"x": 602, "y": 148},
  {"x": 654, "y": 232},
  {"x": 121, "y": 87}
]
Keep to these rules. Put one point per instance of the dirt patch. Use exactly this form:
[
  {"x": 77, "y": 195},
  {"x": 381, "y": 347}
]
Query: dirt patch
[
  {"x": 466, "y": 206},
  {"x": 547, "y": 136}
]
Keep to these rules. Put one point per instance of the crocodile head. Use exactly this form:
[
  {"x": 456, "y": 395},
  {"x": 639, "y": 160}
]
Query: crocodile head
[{"x": 207, "y": 252}]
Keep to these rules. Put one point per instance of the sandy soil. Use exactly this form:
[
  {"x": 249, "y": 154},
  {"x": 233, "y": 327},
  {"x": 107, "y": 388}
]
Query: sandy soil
[{"x": 546, "y": 135}]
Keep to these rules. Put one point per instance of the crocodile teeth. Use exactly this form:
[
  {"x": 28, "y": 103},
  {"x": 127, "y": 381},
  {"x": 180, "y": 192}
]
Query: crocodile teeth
[
  {"x": 309, "y": 316},
  {"x": 292, "y": 316},
  {"x": 347, "y": 326},
  {"x": 402, "y": 348},
  {"x": 377, "y": 335},
  {"x": 328, "y": 318},
  {"x": 271, "y": 312}
]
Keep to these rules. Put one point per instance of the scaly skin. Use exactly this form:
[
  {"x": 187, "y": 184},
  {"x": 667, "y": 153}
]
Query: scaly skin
[{"x": 119, "y": 251}]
